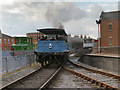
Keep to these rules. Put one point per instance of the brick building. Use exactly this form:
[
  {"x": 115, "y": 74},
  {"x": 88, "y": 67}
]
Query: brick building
[
  {"x": 34, "y": 36},
  {"x": 110, "y": 29},
  {"x": 6, "y": 41}
]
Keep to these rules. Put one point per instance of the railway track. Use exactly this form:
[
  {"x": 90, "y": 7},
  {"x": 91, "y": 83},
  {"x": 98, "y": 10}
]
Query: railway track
[
  {"x": 38, "y": 79},
  {"x": 70, "y": 81},
  {"x": 96, "y": 71},
  {"x": 50, "y": 79},
  {"x": 103, "y": 80},
  {"x": 42, "y": 77}
]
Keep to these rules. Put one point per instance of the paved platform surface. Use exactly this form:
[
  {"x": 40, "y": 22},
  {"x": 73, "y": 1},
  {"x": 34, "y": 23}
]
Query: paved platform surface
[
  {"x": 6, "y": 79},
  {"x": 76, "y": 60},
  {"x": 106, "y": 55}
]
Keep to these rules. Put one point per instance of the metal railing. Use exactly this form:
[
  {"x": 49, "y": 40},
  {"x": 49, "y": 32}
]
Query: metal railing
[
  {"x": 16, "y": 62},
  {"x": 107, "y": 50}
]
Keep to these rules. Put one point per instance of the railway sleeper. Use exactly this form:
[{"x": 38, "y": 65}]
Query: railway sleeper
[
  {"x": 97, "y": 71},
  {"x": 92, "y": 80}
]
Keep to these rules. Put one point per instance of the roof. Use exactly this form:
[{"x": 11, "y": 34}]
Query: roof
[
  {"x": 32, "y": 33},
  {"x": 22, "y": 37},
  {"x": 5, "y": 35},
  {"x": 113, "y": 14},
  {"x": 52, "y": 31}
]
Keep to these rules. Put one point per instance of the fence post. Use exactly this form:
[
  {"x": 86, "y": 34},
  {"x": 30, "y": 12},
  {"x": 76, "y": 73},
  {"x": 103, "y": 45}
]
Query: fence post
[
  {"x": 6, "y": 66},
  {"x": 21, "y": 62},
  {"x": 14, "y": 63},
  {"x": 30, "y": 60},
  {"x": 26, "y": 57},
  {"x": 33, "y": 59},
  {"x": 18, "y": 61}
]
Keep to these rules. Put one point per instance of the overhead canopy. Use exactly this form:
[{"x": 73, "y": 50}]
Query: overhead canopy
[{"x": 52, "y": 31}]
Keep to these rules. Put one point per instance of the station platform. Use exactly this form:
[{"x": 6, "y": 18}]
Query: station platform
[
  {"x": 106, "y": 55},
  {"x": 110, "y": 62},
  {"x": 11, "y": 77}
]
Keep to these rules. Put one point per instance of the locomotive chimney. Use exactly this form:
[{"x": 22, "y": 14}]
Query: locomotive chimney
[
  {"x": 85, "y": 36},
  {"x": 61, "y": 26}
]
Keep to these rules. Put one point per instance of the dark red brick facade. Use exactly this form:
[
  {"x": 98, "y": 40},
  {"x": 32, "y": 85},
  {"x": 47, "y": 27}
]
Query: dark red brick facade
[
  {"x": 6, "y": 42},
  {"x": 110, "y": 20},
  {"x": 34, "y": 36}
]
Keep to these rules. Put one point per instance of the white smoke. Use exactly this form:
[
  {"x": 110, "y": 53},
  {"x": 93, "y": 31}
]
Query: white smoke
[
  {"x": 60, "y": 26},
  {"x": 63, "y": 12}
]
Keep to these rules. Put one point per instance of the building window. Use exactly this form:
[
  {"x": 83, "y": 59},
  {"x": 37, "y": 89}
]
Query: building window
[
  {"x": 110, "y": 27},
  {"x": 12, "y": 41},
  {"x": 25, "y": 40},
  {"x": 8, "y": 41},
  {"x": 8, "y": 48},
  {"x": 110, "y": 40},
  {"x": 5, "y": 41},
  {"x": 31, "y": 41},
  {"x": 18, "y": 40}
]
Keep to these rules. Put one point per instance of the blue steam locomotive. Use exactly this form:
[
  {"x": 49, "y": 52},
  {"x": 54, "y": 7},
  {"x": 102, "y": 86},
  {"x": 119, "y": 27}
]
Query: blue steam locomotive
[{"x": 53, "y": 46}]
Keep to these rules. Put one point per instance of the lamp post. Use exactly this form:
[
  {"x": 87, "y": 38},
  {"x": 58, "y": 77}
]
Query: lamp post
[{"x": 98, "y": 22}]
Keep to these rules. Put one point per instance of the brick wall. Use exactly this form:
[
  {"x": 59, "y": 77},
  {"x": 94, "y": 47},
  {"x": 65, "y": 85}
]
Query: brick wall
[
  {"x": 106, "y": 34},
  {"x": 34, "y": 37},
  {"x": 6, "y": 43}
]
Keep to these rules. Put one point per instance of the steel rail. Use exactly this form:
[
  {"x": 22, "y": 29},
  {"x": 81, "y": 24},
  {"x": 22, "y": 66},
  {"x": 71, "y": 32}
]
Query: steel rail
[
  {"x": 101, "y": 84},
  {"x": 97, "y": 71},
  {"x": 50, "y": 79},
  {"x": 19, "y": 79}
]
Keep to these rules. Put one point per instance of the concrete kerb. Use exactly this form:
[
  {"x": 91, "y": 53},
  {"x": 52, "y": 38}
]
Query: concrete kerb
[{"x": 101, "y": 61}]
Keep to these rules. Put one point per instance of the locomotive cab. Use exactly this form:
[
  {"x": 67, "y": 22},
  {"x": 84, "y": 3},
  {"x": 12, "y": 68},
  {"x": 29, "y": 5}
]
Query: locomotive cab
[{"x": 53, "y": 46}]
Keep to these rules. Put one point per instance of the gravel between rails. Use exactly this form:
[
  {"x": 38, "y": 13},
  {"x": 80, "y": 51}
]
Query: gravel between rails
[
  {"x": 67, "y": 80},
  {"x": 108, "y": 80},
  {"x": 37, "y": 79}
]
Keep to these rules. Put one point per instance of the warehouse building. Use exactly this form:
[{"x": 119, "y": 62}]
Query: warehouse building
[
  {"x": 110, "y": 32},
  {"x": 6, "y": 41}
]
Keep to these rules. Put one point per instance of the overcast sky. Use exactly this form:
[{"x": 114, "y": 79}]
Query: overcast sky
[{"x": 19, "y": 18}]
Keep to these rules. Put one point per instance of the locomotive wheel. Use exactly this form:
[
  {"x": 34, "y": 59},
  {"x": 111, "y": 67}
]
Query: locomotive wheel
[
  {"x": 42, "y": 63},
  {"x": 37, "y": 59},
  {"x": 45, "y": 63}
]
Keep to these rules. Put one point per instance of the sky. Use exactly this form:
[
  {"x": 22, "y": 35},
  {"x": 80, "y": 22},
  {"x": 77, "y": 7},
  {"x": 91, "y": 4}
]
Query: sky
[{"x": 78, "y": 17}]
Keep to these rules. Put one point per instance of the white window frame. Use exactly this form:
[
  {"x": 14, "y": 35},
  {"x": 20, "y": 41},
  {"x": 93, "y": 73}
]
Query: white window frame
[
  {"x": 110, "y": 42},
  {"x": 12, "y": 41},
  {"x": 5, "y": 41},
  {"x": 8, "y": 41},
  {"x": 110, "y": 24}
]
